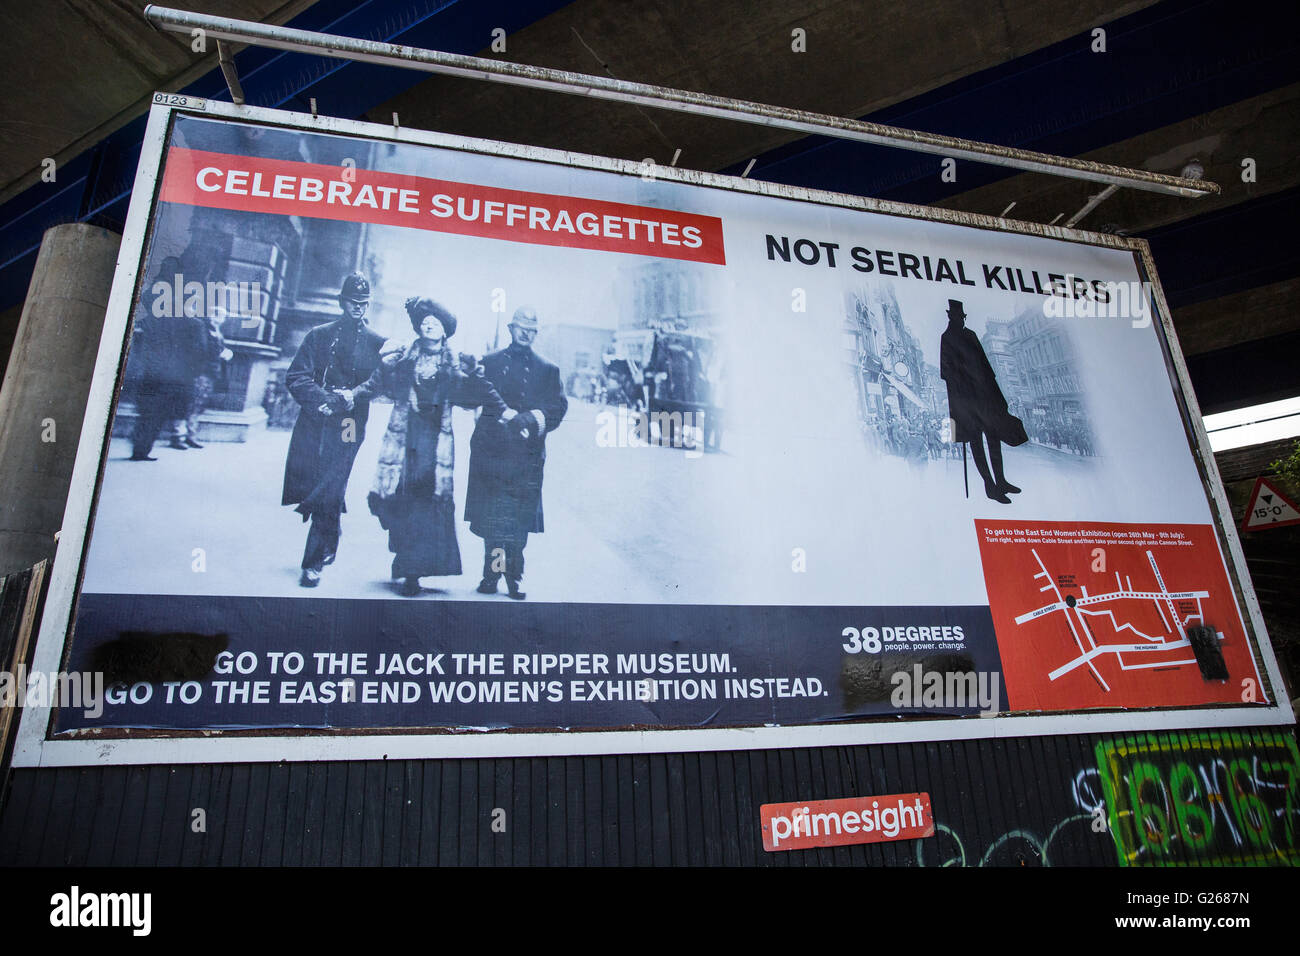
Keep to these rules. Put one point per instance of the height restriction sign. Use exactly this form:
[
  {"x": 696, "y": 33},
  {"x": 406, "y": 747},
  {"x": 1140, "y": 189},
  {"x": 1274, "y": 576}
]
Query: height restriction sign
[{"x": 1268, "y": 508}]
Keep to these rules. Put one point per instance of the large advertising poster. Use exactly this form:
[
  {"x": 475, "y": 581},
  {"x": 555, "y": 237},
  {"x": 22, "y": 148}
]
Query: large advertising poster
[{"x": 418, "y": 438}]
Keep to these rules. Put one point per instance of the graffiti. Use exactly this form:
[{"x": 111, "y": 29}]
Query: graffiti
[
  {"x": 1208, "y": 798},
  {"x": 1159, "y": 800},
  {"x": 1021, "y": 846},
  {"x": 1014, "y": 848}
]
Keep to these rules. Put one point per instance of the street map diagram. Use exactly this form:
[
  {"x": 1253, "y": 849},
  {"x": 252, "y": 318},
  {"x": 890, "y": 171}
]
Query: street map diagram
[
  {"x": 1107, "y": 615},
  {"x": 1077, "y": 612}
]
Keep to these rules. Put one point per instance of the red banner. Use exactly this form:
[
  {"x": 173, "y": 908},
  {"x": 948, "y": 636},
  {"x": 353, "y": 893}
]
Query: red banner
[
  {"x": 798, "y": 826},
  {"x": 289, "y": 188}
]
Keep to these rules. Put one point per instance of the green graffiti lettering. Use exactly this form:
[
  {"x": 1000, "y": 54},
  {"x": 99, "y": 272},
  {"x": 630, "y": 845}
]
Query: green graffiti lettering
[
  {"x": 1249, "y": 809},
  {"x": 1150, "y": 818},
  {"x": 1195, "y": 825},
  {"x": 1165, "y": 792}
]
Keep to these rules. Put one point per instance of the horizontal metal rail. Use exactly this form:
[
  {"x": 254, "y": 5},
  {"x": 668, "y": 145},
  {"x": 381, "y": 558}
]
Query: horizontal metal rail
[{"x": 660, "y": 97}]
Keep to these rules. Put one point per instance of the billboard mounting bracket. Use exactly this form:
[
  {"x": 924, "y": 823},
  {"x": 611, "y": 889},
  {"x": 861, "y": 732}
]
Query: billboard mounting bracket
[
  {"x": 1092, "y": 203},
  {"x": 230, "y": 72},
  {"x": 658, "y": 97}
]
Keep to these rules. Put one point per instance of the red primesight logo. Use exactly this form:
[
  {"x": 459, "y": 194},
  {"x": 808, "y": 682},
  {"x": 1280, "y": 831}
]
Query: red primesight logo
[{"x": 798, "y": 826}]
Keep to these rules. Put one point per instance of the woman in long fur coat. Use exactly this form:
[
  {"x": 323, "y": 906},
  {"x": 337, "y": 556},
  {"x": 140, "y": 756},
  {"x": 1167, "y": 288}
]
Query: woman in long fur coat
[{"x": 413, "y": 494}]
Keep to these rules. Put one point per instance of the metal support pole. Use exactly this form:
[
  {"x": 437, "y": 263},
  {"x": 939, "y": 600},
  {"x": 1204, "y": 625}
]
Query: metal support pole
[{"x": 660, "y": 97}]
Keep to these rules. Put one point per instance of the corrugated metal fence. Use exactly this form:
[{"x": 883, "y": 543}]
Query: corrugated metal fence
[{"x": 1195, "y": 798}]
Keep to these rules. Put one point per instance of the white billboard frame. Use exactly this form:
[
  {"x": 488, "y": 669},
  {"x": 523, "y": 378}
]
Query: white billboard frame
[{"x": 94, "y": 747}]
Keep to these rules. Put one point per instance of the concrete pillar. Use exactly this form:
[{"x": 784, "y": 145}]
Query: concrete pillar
[{"x": 43, "y": 399}]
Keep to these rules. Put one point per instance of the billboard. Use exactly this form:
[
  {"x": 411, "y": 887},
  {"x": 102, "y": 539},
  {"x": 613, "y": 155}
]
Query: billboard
[{"x": 403, "y": 443}]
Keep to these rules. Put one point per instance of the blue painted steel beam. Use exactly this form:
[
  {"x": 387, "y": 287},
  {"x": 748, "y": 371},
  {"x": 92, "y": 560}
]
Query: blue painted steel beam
[
  {"x": 95, "y": 186},
  {"x": 1229, "y": 249},
  {"x": 1164, "y": 64},
  {"x": 1249, "y": 373}
]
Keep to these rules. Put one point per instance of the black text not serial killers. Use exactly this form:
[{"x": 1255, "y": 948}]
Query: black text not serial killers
[{"x": 905, "y": 265}]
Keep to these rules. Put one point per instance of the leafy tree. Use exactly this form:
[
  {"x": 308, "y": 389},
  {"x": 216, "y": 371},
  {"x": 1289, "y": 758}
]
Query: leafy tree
[{"x": 1289, "y": 467}]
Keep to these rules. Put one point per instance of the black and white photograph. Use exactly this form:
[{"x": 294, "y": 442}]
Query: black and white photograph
[
  {"x": 979, "y": 394},
  {"x": 407, "y": 413},
  {"x": 389, "y": 406}
]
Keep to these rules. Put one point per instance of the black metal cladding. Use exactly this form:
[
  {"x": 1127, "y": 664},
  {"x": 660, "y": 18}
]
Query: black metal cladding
[{"x": 996, "y": 802}]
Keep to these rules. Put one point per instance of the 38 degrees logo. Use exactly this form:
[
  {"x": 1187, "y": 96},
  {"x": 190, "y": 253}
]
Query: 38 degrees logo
[{"x": 872, "y": 640}]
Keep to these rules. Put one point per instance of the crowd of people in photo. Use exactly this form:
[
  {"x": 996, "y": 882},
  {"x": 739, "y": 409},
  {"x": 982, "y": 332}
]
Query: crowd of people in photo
[
  {"x": 919, "y": 437},
  {"x": 1071, "y": 437},
  {"x": 587, "y": 385}
]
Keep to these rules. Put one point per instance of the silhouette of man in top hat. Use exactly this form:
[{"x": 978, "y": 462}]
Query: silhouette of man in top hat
[{"x": 976, "y": 403}]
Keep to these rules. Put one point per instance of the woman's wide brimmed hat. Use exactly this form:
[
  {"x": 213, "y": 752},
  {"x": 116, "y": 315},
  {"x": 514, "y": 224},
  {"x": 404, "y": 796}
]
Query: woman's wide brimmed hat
[{"x": 419, "y": 309}]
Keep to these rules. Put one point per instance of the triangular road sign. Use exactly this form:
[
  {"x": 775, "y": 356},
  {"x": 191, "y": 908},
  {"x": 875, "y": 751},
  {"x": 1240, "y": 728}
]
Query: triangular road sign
[{"x": 1268, "y": 508}]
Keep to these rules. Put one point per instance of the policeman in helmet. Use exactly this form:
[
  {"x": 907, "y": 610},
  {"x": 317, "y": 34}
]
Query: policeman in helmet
[{"x": 329, "y": 379}]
